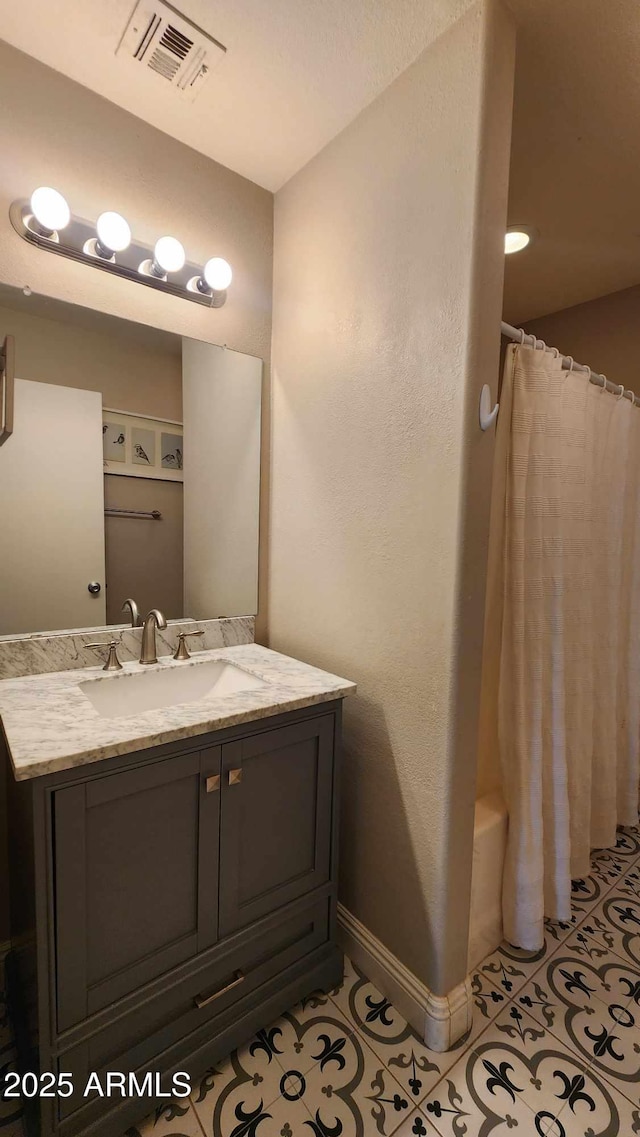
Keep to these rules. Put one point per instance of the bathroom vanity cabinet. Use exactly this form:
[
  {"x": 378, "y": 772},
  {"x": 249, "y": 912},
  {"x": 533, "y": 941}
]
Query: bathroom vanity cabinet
[{"x": 167, "y": 903}]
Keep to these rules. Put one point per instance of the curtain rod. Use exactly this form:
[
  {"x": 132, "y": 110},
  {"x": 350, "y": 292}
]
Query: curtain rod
[{"x": 518, "y": 335}]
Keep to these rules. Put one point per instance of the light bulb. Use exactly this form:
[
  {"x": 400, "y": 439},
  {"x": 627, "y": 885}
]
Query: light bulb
[
  {"x": 217, "y": 274},
  {"x": 114, "y": 234},
  {"x": 515, "y": 240},
  {"x": 168, "y": 256},
  {"x": 50, "y": 209}
]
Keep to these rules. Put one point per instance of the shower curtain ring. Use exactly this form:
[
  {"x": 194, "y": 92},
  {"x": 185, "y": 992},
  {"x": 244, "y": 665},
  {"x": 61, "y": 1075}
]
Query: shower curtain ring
[
  {"x": 522, "y": 336},
  {"x": 570, "y": 367},
  {"x": 621, "y": 395}
]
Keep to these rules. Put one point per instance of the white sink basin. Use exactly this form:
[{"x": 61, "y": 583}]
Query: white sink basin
[{"x": 122, "y": 695}]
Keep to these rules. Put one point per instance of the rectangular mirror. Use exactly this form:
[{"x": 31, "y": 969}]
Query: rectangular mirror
[{"x": 133, "y": 470}]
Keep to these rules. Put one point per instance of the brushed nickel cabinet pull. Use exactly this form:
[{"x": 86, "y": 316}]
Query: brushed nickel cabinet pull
[
  {"x": 201, "y": 1002},
  {"x": 235, "y": 776},
  {"x": 213, "y": 783}
]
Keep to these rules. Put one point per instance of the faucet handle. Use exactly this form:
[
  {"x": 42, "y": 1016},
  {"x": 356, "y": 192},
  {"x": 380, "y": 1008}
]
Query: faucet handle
[
  {"x": 181, "y": 651},
  {"x": 113, "y": 663}
]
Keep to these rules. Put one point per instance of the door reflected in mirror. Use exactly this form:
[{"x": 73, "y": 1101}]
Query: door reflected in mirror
[{"x": 133, "y": 471}]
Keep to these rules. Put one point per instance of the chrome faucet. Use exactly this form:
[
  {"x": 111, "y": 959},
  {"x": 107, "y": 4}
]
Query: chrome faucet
[
  {"x": 134, "y": 610},
  {"x": 154, "y": 619}
]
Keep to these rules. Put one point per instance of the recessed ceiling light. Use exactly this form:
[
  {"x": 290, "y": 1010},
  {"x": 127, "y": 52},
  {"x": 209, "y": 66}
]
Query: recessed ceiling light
[{"x": 516, "y": 238}]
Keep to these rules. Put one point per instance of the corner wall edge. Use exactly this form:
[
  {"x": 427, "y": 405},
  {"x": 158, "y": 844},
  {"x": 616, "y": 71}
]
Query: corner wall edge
[{"x": 441, "y": 1020}]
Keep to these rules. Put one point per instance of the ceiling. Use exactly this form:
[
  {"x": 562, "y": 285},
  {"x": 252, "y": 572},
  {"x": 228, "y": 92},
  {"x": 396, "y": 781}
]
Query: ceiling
[
  {"x": 296, "y": 73},
  {"x": 575, "y": 164}
]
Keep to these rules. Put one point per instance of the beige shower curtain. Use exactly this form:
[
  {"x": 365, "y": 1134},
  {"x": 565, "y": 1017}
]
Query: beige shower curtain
[{"x": 564, "y": 616}]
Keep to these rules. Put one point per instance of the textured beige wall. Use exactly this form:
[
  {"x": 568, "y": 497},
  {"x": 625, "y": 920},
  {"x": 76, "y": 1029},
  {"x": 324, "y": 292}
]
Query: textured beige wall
[
  {"x": 53, "y": 131},
  {"x": 388, "y": 288},
  {"x": 604, "y": 333}
]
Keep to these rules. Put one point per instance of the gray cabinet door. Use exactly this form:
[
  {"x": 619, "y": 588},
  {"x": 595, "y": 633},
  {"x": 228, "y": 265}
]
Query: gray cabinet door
[
  {"x": 275, "y": 831},
  {"x": 136, "y": 878}
]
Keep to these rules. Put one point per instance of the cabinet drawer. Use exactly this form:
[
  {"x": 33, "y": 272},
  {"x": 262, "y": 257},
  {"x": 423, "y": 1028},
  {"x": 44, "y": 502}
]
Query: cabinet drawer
[{"x": 200, "y": 995}]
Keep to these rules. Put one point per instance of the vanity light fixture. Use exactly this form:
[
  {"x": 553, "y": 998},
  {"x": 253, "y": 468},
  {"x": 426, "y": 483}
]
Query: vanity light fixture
[
  {"x": 168, "y": 256},
  {"x": 517, "y": 237},
  {"x": 113, "y": 234},
  {"x": 46, "y": 221},
  {"x": 48, "y": 212},
  {"x": 216, "y": 276}
]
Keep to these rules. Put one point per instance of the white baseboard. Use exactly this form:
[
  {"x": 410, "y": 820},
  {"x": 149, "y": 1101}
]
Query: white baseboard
[{"x": 441, "y": 1020}]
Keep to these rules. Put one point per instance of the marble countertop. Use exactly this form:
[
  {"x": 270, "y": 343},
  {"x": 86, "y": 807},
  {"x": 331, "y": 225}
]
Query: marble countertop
[{"x": 50, "y": 725}]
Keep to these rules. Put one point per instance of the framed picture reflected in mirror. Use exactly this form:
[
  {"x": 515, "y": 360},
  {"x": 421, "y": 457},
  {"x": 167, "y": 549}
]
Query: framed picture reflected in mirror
[{"x": 140, "y": 447}]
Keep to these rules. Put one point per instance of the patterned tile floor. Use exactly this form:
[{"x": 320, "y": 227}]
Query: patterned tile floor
[{"x": 554, "y": 1050}]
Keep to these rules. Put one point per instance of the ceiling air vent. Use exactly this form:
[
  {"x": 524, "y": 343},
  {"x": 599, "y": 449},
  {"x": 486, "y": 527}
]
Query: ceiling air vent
[{"x": 165, "y": 43}]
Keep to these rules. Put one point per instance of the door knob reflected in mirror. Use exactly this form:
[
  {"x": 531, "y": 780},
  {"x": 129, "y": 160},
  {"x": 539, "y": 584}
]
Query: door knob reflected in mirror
[{"x": 94, "y": 587}]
